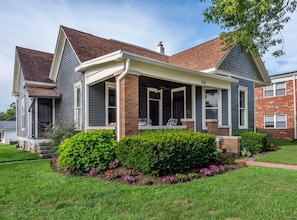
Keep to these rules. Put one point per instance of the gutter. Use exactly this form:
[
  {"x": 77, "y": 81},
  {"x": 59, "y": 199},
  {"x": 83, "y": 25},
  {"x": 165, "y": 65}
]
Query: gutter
[{"x": 118, "y": 98}]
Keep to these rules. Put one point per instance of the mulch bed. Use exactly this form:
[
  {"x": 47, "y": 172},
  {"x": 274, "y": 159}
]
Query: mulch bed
[{"x": 119, "y": 175}]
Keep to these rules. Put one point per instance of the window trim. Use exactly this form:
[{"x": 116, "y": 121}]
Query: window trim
[
  {"x": 23, "y": 113},
  {"x": 108, "y": 86},
  {"x": 219, "y": 91},
  {"x": 180, "y": 89},
  {"x": 150, "y": 89},
  {"x": 274, "y": 90},
  {"x": 245, "y": 90},
  {"x": 78, "y": 124},
  {"x": 275, "y": 121}
]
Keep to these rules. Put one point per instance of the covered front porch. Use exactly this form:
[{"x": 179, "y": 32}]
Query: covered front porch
[{"x": 130, "y": 94}]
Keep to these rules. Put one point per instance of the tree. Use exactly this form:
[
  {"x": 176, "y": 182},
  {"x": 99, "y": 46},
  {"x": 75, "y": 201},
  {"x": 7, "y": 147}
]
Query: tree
[
  {"x": 254, "y": 24},
  {"x": 9, "y": 112}
]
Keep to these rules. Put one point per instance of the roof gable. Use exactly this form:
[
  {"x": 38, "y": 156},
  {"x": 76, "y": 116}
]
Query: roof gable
[
  {"x": 34, "y": 64},
  {"x": 88, "y": 46},
  {"x": 201, "y": 57}
]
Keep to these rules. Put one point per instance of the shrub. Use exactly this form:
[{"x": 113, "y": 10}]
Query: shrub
[
  {"x": 87, "y": 150},
  {"x": 166, "y": 151},
  {"x": 58, "y": 133},
  {"x": 254, "y": 142}
]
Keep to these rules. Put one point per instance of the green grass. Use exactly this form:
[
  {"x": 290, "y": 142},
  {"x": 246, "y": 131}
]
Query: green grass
[
  {"x": 32, "y": 190},
  {"x": 9, "y": 153},
  {"x": 287, "y": 154}
]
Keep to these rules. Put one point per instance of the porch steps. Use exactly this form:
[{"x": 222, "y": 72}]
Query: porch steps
[{"x": 44, "y": 150}]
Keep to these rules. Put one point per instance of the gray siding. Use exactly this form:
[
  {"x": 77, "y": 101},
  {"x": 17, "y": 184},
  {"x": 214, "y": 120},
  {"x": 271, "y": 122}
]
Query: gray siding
[
  {"x": 225, "y": 107},
  {"x": 240, "y": 62},
  {"x": 234, "y": 104},
  {"x": 22, "y": 93},
  {"x": 199, "y": 109},
  {"x": 65, "y": 85},
  {"x": 97, "y": 105}
]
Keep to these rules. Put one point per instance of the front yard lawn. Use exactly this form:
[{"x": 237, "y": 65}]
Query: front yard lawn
[
  {"x": 287, "y": 154},
  {"x": 33, "y": 191},
  {"x": 9, "y": 153}
]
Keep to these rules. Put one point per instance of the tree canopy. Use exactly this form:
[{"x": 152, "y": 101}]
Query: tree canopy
[
  {"x": 10, "y": 112},
  {"x": 254, "y": 24}
]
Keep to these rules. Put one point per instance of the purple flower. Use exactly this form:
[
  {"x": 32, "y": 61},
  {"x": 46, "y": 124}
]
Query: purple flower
[
  {"x": 130, "y": 179},
  {"x": 168, "y": 179},
  {"x": 113, "y": 164},
  {"x": 92, "y": 171},
  {"x": 206, "y": 172},
  {"x": 55, "y": 159},
  {"x": 128, "y": 173}
]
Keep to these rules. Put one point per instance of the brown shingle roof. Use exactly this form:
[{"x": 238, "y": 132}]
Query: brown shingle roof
[
  {"x": 88, "y": 46},
  {"x": 35, "y": 64},
  {"x": 42, "y": 92},
  {"x": 201, "y": 57}
]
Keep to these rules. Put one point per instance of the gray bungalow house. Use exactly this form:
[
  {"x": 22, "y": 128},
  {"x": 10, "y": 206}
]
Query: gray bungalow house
[{"x": 107, "y": 84}]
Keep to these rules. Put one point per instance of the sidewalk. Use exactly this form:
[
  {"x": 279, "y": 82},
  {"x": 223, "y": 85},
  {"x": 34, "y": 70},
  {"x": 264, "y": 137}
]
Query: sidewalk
[{"x": 264, "y": 164}]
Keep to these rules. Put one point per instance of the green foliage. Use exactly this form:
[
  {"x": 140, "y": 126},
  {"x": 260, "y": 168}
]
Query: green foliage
[
  {"x": 245, "y": 153},
  {"x": 87, "y": 150},
  {"x": 59, "y": 132},
  {"x": 254, "y": 142},
  {"x": 10, "y": 112},
  {"x": 166, "y": 151},
  {"x": 255, "y": 24}
]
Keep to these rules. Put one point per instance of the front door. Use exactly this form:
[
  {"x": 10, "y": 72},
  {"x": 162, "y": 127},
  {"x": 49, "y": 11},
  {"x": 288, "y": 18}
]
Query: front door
[
  {"x": 154, "y": 106},
  {"x": 44, "y": 115}
]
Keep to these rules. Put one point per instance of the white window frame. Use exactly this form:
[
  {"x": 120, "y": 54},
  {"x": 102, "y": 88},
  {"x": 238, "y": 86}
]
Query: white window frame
[
  {"x": 183, "y": 89},
  {"x": 108, "y": 86},
  {"x": 78, "y": 109},
  {"x": 275, "y": 121},
  {"x": 159, "y": 100},
  {"x": 245, "y": 90},
  {"x": 23, "y": 113},
  {"x": 219, "y": 91},
  {"x": 274, "y": 89}
]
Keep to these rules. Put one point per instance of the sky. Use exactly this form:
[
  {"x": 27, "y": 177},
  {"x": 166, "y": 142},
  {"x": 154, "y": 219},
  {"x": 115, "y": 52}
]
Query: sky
[{"x": 179, "y": 24}]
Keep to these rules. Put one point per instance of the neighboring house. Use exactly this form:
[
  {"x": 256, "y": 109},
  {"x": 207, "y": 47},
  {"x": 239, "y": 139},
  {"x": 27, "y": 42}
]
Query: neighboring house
[
  {"x": 276, "y": 106},
  {"x": 107, "y": 84},
  {"x": 8, "y": 132}
]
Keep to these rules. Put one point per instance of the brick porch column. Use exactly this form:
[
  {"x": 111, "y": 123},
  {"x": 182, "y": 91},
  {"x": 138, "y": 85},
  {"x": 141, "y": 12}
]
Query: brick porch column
[{"x": 129, "y": 105}]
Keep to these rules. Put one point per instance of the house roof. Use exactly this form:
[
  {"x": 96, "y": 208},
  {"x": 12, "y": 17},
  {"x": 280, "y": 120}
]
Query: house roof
[
  {"x": 35, "y": 64},
  {"x": 204, "y": 56},
  {"x": 7, "y": 125},
  {"x": 42, "y": 92},
  {"x": 88, "y": 46}
]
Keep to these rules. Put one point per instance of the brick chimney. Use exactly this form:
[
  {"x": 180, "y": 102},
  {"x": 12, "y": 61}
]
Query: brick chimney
[{"x": 160, "y": 48}]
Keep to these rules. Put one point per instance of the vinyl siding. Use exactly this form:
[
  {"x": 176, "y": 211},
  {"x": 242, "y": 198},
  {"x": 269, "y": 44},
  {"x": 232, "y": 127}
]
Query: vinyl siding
[
  {"x": 198, "y": 109},
  {"x": 225, "y": 107},
  {"x": 65, "y": 85},
  {"x": 97, "y": 113},
  {"x": 234, "y": 104},
  {"x": 241, "y": 63}
]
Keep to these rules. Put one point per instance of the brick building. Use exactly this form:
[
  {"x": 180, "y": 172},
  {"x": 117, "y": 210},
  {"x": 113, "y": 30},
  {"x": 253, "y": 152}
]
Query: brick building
[{"x": 276, "y": 106}]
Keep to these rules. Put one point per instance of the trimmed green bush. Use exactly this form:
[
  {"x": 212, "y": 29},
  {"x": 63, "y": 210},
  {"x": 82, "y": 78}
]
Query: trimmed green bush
[
  {"x": 254, "y": 142},
  {"x": 163, "y": 152},
  {"x": 87, "y": 150}
]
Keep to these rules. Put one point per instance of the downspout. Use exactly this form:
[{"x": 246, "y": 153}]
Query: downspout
[
  {"x": 118, "y": 98},
  {"x": 294, "y": 96}
]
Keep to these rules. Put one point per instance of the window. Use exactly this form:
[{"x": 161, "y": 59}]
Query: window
[
  {"x": 23, "y": 114},
  {"x": 178, "y": 103},
  {"x": 275, "y": 121},
  {"x": 77, "y": 105},
  {"x": 211, "y": 104},
  {"x": 276, "y": 89},
  {"x": 242, "y": 107},
  {"x": 110, "y": 103}
]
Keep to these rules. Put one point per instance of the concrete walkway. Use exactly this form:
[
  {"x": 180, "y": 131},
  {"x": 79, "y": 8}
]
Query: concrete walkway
[{"x": 265, "y": 164}]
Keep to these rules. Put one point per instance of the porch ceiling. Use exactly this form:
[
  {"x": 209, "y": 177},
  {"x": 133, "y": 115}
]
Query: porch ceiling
[{"x": 158, "y": 83}]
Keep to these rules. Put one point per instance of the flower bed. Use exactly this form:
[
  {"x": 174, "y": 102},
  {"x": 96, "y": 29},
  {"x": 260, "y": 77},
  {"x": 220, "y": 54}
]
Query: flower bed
[{"x": 120, "y": 174}]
